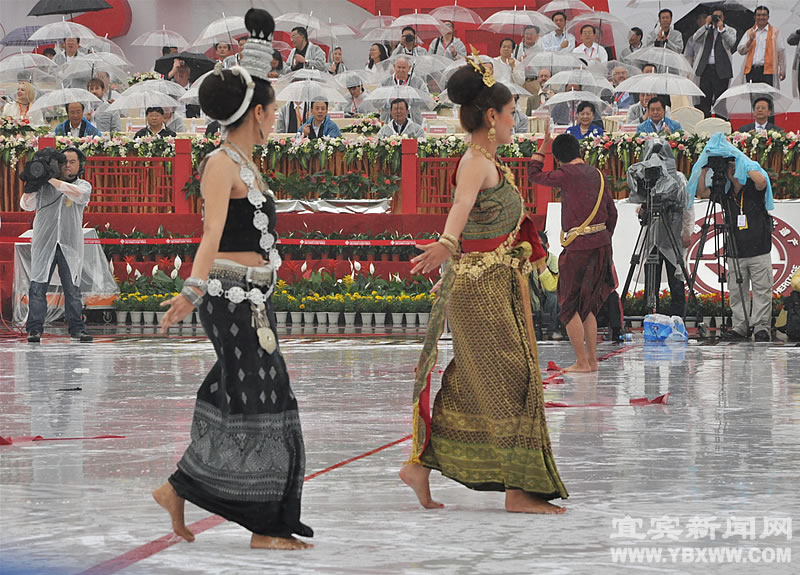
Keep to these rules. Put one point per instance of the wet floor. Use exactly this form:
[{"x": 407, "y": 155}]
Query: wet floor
[{"x": 714, "y": 471}]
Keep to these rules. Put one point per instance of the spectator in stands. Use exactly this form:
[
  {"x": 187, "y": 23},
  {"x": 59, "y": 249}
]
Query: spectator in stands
[
  {"x": 20, "y": 108},
  {"x": 400, "y": 124},
  {"x": 543, "y": 94},
  {"x": 544, "y": 298},
  {"x": 291, "y": 117},
  {"x": 72, "y": 48},
  {"x": 634, "y": 42},
  {"x": 408, "y": 45},
  {"x": 277, "y": 65},
  {"x": 76, "y": 126},
  {"x": 97, "y": 113},
  {"x": 763, "y": 51},
  {"x": 762, "y": 110},
  {"x": 110, "y": 94},
  {"x": 563, "y": 113},
  {"x": 233, "y": 59},
  {"x": 622, "y": 100},
  {"x": 305, "y": 54},
  {"x": 588, "y": 50},
  {"x": 665, "y": 36},
  {"x": 559, "y": 39},
  {"x": 585, "y": 125},
  {"x": 167, "y": 50},
  {"x": 49, "y": 52},
  {"x": 155, "y": 124},
  {"x": 355, "y": 103},
  {"x": 692, "y": 47},
  {"x": 377, "y": 54},
  {"x": 320, "y": 124},
  {"x": 522, "y": 124},
  {"x": 173, "y": 121},
  {"x": 794, "y": 40},
  {"x": 221, "y": 51},
  {"x": 448, "y": 45},
  {"x": 637, "y": 113},
  {"x": 401, "y": 77},
  {"x": 713, "y": 63},
  {"x": 657, "y": 120},
  {"x": 337, "y": 63},
  {"x": 506, "y": 67},
  {"x": 526, "y": 47}
]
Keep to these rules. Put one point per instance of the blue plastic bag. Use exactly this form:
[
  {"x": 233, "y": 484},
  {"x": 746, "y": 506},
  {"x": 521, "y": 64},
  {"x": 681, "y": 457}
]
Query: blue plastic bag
[{"x": 659, "y": 327}]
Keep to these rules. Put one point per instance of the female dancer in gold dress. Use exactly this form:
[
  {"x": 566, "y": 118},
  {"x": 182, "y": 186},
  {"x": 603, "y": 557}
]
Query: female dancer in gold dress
[{"x": 488, "y": 428}]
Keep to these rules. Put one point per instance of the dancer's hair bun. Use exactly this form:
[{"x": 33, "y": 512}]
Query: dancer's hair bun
[{"x": 259, "y": 23}]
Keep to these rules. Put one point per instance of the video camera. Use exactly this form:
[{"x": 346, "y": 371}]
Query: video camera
[
  {"x": 45, "y": 164},
  {"x": 719, "y": 177}
]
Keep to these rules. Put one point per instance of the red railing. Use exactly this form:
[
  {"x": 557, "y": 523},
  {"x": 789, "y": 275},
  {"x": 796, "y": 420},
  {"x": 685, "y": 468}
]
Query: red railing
[
  {"x": 426, "y": 183},
  {"x": 138, "y": 185}
]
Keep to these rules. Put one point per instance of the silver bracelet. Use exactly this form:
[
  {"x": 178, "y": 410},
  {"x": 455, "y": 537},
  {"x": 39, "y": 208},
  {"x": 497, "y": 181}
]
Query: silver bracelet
[
  {"x": 202, "y": 285},
  {"x": 190, "y": 294}
]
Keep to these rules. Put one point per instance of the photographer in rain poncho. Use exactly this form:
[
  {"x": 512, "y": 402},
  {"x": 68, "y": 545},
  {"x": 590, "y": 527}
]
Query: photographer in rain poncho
[
  {"x": 54, "y": 189},
  {"x": 669, "y": 202}
]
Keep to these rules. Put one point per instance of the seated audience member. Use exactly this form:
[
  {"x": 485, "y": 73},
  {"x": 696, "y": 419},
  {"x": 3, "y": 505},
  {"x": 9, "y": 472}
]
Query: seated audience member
[
  {"x": 657, "y": 120},
  {"x": 76, "y": 126},
  {"x": 155, "y": 125},
  {"x": 97, "y": 112},
  {"x": 585, "y": 125},
  {"x": 401, "y": 124},
  {"x": 762, "y": 110},
  {"x": 320, "y": 124}
]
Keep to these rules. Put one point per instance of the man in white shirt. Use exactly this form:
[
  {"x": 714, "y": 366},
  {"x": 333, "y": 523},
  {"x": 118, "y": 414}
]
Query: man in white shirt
[
  {"x": 72, "y": 49},
  {"x": 408, "y": 45},
  {"x": 233, "y": 59},
  {"x": 665, "y": 36},
  {"x": 559, "y": 40},
  {"x": 763, "y": 51},
  {"x": 713, "y": 63},
  {"x": 448, "y": 45},
  {"x": 400, "y": 124},
  {"x": 528, "y": 45},
  {"x": 634, "y": 42},
  {"x": 588, "y": 50}
]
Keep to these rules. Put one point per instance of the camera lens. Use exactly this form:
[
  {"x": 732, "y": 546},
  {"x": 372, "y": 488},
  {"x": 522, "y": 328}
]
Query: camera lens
[
  {"x": 38, "y": 169},
  {"x": 409, "y": 37}
]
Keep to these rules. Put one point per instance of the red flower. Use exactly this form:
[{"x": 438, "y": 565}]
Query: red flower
[
  {"x": 769, "y": 141},
  {"x": 792, "y": 145},
  {"x": 673, "y": 144},
  {"x": 130, "y": 259},
  {"x": 387, "y": 182},
  {"x": 608, "y": 145},
  {"x": 165, "y": 263}
]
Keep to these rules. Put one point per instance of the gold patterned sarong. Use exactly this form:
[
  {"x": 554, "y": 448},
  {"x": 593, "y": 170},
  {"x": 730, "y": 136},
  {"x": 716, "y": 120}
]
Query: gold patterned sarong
[{"x": 488, "y": 429}]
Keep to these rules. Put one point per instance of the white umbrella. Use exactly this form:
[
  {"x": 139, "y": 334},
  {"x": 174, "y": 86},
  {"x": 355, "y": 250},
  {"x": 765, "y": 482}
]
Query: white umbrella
[
  {"x": 453, "y": 66},
  {"x": 553, "y": 61},
  {"x": 608, "y": 27},
  {"x": 456, "y": 13},
  {"x": 169, "y": 88},
  {"x": 88, "y": 68},
  {"x": 606, "y": 69},
  {"x": 353, "y": 78},
  {"x": 332, "y": 31},
  {"x": 659, "y": 84},
  {"x": 373, "y": 22},
  {"x": 295, "y": 19},
  {"x": 420, "y": 65},
  {"x": 739, "y": 99},
  {"x": 541, "y": 21},
  {"x": 104, "y": 45},
  {"x": 309, "y": 91},
  {"x": 582, "y": 77},
  {"x": 508, "y": 22},
  {"x": 380, "y": 96},
  {"x": 190, "y": 96},
  {"x": 41, "y": 79},
  {"x": 63, "y": 97},
  {"x": 425, "y": 25},
  {"x": 382, "y": 35},
  {"x": 107, "y": 58},
  {"x": 143, "y": 99},
  {"x": 308, "y": 74},
  {"x": 664, "y": 59},
  {"x": 569, "y": 7},
  {"x": 26, "y": 61},
  {"x": 574, "y": 97},
  {"x": 61, "y": 30},
  {"x": 222, "y": 30},
  {"x": 161, "y": 37}
]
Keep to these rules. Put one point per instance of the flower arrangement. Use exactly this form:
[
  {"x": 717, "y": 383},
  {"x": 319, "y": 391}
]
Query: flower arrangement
[
  {"x": 366, "y": 126},
  {"x": 143, "y": 77}
]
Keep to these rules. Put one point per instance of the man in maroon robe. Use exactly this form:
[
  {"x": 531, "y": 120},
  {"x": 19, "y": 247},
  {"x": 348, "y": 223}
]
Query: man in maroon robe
[{"x": 588, "y": 218}]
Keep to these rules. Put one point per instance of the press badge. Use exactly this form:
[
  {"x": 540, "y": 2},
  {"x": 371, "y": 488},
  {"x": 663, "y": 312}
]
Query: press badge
[{"x": 741, "y": 221}]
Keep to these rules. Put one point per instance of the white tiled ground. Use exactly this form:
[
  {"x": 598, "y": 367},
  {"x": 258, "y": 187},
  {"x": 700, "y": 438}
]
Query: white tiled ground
[{"x": 726, "y": 446}]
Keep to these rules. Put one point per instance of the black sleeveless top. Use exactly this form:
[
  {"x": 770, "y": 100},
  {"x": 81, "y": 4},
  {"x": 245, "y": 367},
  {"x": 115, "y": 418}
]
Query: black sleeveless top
[{"x": 239, "y": 234}]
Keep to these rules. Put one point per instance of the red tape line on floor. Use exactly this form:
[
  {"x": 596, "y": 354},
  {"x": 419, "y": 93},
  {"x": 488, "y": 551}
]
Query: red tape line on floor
[
  {"x": 25, "y": 438},
  {"x": 149, "y": 549}
]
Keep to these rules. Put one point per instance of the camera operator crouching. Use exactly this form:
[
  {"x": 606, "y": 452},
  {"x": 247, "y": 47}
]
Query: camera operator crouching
[
  {"x": 54, "y": 189},
  {"x": 656, "y": 183},
  {"x": 746, "y": 199}
]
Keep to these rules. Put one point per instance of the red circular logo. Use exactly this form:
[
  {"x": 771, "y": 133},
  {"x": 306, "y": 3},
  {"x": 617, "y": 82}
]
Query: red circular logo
[{"x": 785, "y": 256}]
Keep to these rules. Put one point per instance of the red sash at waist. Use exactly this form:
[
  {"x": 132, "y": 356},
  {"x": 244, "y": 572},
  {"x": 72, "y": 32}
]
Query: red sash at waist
[{"x": 527, "y": 233}]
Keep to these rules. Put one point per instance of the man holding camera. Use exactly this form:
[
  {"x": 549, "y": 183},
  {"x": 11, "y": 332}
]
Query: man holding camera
[
  {"x": 713, "y": 62},
  {"x": 745, "y": 197},
  {"x": 656, "y": 183},
  {"x": 54, "y": 189}
]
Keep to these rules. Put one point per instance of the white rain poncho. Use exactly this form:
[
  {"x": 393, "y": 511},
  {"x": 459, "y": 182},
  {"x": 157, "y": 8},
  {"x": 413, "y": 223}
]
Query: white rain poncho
[
  {"x": 58, "y": 221},
  {"x": 671, "y": 187}
]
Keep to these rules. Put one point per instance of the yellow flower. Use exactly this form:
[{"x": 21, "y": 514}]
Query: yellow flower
[{"x": 302, "y": 306}]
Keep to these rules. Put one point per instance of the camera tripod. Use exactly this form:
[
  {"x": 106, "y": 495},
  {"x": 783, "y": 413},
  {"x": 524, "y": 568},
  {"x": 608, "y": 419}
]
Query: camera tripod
[
  {"x": 728, "y": 245},
  {"x": 654, "y": 211}
]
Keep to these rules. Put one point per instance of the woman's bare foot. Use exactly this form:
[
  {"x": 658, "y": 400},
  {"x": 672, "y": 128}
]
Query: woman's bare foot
[
  {"x": 520, "y": 502},
  {"x": 416, "y": 477},
  {"x": 166, "y": 497},
  {"x": 281, "y": 543},
  {"x": 593, "y": 365},
  {"x": 580, "y": 368}
]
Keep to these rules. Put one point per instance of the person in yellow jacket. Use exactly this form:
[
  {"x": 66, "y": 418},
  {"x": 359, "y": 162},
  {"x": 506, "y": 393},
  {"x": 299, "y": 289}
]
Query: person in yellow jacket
[{"x": 544, "y": 298}]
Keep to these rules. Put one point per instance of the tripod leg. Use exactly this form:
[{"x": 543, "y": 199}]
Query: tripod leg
[
  {"x": 701, "y": 328},
  {"x": 730, "y": 244},
  {"x": 636, "y": 257}
]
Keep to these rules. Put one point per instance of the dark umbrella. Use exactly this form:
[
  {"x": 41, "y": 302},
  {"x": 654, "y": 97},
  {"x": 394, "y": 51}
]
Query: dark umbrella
[
  {"x": 736, "y": 16},
  {"x": 19, "y": 37},
  {"x": 48, "y": 7},
  {"x": 198, "y": 64}
]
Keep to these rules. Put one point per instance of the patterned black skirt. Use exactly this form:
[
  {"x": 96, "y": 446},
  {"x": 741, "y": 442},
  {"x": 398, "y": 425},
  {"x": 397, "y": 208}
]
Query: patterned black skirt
[{"x": 246, "y": 461}]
